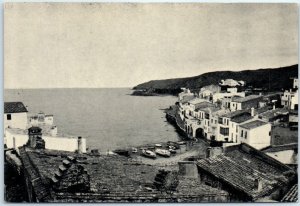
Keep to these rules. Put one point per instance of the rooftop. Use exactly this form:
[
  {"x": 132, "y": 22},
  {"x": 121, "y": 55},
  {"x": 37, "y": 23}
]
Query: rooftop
[
  {"x": 197, "y": 101},
  {"x": 241, "y": 165},
  {"x": 273, "y": 113},
  {"x": 278, "y": 148},
  {"x": 242, "y": 117},
  {"x": 291, "y": 195},
  {"x": 253, "y": 124},
  {"x": 247, "y": 98},
  {"x": 204, "y": 105},
  {"x": 110, "y": 177},
  {"x": 14, "y": 107}
]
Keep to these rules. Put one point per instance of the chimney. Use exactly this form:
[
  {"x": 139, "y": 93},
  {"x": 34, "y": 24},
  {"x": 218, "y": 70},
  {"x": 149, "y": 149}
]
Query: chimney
[
  {"x": 14, "y": 143},
  {"x": 79, "y": 145},
  {"x": 258, "y": 185},
  {"x": 188, "y": 169},
  {"x": 212, "y": 152},
  {"x": 252, "y": 111},
  {"x": 34, "y": 133}
]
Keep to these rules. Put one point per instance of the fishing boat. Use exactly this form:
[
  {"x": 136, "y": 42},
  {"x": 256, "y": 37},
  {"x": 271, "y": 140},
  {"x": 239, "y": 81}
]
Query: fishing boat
[
  {"x": 163, "y": 152},
  {"x": 172, "y": 151},
  {"x": 148, "y": 153},
  {"x": 181, "y": 143},
  {"x": 134, "y": 150},
  {"x": 122, "y": 152}
]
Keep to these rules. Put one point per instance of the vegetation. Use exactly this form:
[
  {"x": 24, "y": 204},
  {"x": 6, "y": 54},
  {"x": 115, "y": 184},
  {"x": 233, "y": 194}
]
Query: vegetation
[{"x": 268, "y": 79}]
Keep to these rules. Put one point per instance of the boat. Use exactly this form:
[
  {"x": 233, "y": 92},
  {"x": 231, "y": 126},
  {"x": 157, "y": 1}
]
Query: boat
[
  {"x": 134, "y": 150},
  {"x": 148, "y": 153},
  {"x": 174, "y": 144},
  {"x": 172, "y": 147},
  {"x": 157, "y": 145},
  {"x": 172, "y": 151},
  {"x": 163, "y": 152},
  {"x": 122, "y": 152},
  {"x": 181, "y": 143}
]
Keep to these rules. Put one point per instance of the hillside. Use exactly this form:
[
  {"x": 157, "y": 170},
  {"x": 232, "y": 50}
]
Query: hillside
[{"x": 271, "y": 79}]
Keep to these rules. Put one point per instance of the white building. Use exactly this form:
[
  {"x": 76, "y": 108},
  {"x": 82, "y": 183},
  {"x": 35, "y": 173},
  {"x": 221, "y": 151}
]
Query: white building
[
  {"x": 295, "y": 83},
  {"x": 41, "y": 118},
  {"x": 14, "y": 138},
  {"x": 256, "y": 134},
  {"x": 223, "y": 95},
  {"x": 185, "y": 93},
  {"x": 15, "y": 115},
  {"x": 289, "y": 99}
]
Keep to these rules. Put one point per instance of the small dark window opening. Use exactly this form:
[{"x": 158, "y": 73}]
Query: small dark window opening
[{"x": 8, "y": 116}]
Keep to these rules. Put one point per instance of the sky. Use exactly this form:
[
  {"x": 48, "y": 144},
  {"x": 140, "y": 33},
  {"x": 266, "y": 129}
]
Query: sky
[{"x": 64, "y": 45}]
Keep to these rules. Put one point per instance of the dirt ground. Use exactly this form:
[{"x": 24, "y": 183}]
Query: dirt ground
[{"x": 197, "y": 149}]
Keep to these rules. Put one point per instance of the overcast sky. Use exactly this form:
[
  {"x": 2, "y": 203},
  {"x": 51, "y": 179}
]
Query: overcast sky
[{"x": 122, "y": 45}]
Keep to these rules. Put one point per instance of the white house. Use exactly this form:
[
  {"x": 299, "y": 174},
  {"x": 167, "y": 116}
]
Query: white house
[
  {"x": 15, "y": 115},
  {"x": 289, "y": 99},
  {"x": 256, "y": 134},
  {"x": 295, "y": 83},
  {"x": 185, "y": 93}
]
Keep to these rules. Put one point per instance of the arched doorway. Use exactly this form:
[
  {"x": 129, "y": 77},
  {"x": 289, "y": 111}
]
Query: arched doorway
[{"x": 199, "y": 133}]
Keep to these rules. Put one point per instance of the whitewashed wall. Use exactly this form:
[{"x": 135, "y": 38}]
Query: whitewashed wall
[
  {"x": 18, "y": 120},
  {"x": 69, "y": 144}
]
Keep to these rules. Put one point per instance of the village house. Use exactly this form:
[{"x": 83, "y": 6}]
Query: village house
[
  {"x": 185, "y": 94},
  {"x": 207, "y": 92},
  {"x": 226, "y": 96},
  {"x": 256, "y": 134},
  {"x": 41, "y": 118},
  {"x": 289, "y": 99},
  {"x": 274, "y": 116},
  {"x": 15, "y": 115},
  {"x": 229, "y": 125},
  {"x": 245, "y": 173},
  {"x": 245, "y": 102}
]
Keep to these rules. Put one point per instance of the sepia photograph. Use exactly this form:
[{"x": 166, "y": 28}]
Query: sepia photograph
[{"x": 150, "y": 102}]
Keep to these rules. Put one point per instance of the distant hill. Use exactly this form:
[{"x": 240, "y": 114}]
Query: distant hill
[{"x": 271, "y": 79}]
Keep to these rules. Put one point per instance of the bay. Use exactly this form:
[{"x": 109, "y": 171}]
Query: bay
[{"x": 108, "y": 118}]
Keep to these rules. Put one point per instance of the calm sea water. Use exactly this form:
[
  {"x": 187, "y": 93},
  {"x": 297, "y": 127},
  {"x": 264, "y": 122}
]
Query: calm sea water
[{"x": 108, "y": 118}]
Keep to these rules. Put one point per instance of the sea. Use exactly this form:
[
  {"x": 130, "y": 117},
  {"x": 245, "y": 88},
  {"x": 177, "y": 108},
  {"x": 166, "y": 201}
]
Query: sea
[{"x": 109, "y": 118}]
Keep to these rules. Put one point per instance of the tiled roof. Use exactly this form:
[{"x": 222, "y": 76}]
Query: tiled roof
[
  {"x": 204, "y": 105},
  {"x": 241, "y": 165},
  {"x": 253, "y": 124},
  {"x": 278, "y": 148},
  {"x": 242, "y": 117},
  {"x": 14, "y": 107},
  {"x": 112, "y": 178},
  {"x": 291, "y": 195},
  {"x": 247, "y": 98},
  {"x": 273, "y": 113}
]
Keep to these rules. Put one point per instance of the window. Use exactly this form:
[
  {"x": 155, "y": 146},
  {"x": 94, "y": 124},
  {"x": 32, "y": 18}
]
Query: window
[
  {"x": 220, "y": 120},
  {"x": 206, "y": 116},
  {"x": 8, "y": 116},
  {"x": 224, "y": 131},
  {"x": 242, "y": 133},
  {"x": 270, "y": 133},
  {"x": 245, "y": 134}
]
